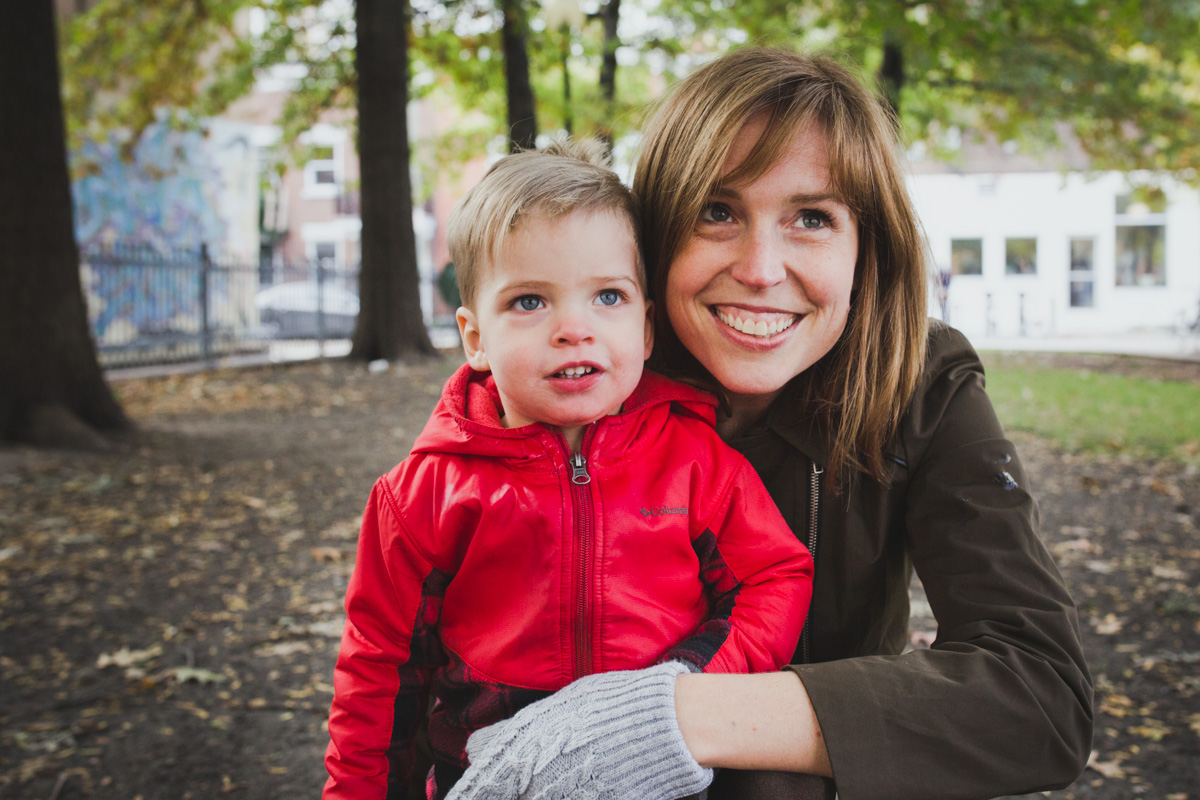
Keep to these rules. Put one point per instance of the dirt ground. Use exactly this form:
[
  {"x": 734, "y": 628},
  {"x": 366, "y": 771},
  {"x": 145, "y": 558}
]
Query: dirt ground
[{"x": 170, "y": 611}]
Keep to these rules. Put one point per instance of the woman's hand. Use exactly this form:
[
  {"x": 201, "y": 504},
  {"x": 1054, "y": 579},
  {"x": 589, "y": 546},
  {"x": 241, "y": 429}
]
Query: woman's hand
[{"x": 609, "y": 736}]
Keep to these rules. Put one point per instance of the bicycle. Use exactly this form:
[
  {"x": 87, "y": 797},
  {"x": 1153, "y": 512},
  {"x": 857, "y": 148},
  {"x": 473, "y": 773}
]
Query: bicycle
[{"x": 1187, "y": 327}]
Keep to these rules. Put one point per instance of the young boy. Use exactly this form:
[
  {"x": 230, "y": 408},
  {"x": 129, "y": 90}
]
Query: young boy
[{"x": 563, "y": 512}]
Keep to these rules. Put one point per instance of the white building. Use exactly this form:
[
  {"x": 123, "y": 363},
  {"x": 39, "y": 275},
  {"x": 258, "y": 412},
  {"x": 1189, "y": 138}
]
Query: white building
[{"x": 1035, "y": 252}]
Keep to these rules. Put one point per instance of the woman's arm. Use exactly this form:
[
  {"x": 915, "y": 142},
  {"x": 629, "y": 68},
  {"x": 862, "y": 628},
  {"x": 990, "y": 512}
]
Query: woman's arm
[
  {"x": 1002, "y": 702},
  {"x": 616, "y": 735},
  {"x": 760, "y": 721}
]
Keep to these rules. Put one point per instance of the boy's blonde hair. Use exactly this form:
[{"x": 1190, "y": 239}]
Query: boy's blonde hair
[{"x": 563, "y": 178}]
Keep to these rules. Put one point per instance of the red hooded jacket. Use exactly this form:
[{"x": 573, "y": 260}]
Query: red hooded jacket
[{"x": 495, "y": 567}]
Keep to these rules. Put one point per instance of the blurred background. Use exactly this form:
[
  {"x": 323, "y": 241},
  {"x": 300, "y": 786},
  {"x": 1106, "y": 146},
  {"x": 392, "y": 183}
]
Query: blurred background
[
  {"x": 195, "y": 191},
  {"x": 1052, "y": 145}
]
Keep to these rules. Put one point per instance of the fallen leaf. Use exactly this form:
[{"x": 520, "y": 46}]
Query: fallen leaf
[
  {"x": 1080, "y": 545},
  {"x": 190, "y": 674},
  {"x": 1109, "y": 769},
  {"x": 1116, "y": 705},
  {"x": 1153, "y": 730},
  {"x": 283, "y": 649},
  {"x": 29, "y": 769},
  {"x": 327, "y": 554},
  {"x": 127, "y": 658},
  {"x": 345, "y": 529},
  {"x": 1107, "y": 626},
  {"x": 235, "y": 602},
  {"x": 1168, "y": 573},
  {"x": 329, "y": 628},
  {"x": 251, "y": 502}
]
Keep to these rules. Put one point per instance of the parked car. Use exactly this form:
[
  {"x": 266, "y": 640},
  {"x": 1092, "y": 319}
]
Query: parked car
[{"x": 289, "y": 310}]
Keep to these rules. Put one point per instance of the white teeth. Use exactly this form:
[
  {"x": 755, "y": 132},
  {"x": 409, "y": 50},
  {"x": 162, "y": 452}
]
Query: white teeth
[
  {"x": 576, "y": 372},
  {"x": 759, "y": 327}
]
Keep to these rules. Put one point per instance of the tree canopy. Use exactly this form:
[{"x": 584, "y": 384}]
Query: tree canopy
[{"x": 1121, "y": 78}]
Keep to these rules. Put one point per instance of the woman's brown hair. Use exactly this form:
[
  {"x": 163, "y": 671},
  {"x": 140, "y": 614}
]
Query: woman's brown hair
[{"x": 860, "y": 389}]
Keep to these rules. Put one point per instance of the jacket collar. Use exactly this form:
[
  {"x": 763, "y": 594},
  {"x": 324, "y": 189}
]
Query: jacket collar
[
  {"x": 467, "y": 418},
  {"x": 800, "y": 429}
]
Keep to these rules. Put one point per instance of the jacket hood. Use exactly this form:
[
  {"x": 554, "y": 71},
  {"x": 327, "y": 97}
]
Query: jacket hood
[{"x": 467, "y": 418}]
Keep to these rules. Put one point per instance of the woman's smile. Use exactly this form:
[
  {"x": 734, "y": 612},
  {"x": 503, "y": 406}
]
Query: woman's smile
[{"x": 752, "y": 323}]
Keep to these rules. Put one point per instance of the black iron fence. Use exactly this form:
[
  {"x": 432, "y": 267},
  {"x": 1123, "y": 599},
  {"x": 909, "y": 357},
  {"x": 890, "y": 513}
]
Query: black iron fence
[{"x": 150, "y": 307}]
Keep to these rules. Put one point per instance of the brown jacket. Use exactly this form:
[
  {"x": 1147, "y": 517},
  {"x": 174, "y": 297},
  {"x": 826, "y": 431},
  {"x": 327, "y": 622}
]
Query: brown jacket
[{"x": 1002, "y": 703}]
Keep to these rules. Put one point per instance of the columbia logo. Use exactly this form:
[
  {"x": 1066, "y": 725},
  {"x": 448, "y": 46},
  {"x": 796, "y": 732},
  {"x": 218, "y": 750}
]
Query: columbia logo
[{"x": 659, "y": 511}]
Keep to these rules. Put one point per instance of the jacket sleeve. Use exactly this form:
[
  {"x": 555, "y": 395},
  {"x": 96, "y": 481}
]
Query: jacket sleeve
[
  {"x": 388, "y": 645},
  {"x": 758, "y": 575},
  {"x": 1002, "y": 702}
]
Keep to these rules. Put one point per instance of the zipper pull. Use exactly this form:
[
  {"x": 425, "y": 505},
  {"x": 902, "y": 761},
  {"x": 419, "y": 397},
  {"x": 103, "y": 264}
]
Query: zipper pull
[{"x": 579, "y": 473}]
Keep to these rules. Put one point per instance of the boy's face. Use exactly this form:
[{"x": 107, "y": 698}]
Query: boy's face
[{"x": 561, "y": 321}]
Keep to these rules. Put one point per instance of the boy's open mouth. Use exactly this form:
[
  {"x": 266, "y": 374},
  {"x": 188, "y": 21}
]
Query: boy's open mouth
[{"x": 574, "y": 372}]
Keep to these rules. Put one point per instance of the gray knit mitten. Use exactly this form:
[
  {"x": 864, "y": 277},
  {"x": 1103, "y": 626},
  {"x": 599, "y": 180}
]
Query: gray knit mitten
[{"x": 610, "y": 736}]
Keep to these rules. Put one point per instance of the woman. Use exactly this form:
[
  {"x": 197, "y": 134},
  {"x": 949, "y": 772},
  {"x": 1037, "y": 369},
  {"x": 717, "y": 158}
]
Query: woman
[{"x": 787, "y": 256}]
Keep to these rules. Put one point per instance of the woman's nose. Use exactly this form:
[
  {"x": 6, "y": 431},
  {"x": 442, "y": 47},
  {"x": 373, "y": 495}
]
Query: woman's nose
[{"x": 760, "y": 263}]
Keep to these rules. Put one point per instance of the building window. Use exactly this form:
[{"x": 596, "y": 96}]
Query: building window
[
  {"x": 325, "y": 253},
  {"x": 1141, "y": 238},
  {"x": 322, "y": 165},
  {"x": 1081, "y": 277},
  {"x": 321, "y": 172},
  {"x": 966, "y": 256},
  {"x": 1020, "y": 256}
]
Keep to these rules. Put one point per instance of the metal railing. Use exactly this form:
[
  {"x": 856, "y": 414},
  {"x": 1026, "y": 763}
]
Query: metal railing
[{"x": 150, "y": 307}]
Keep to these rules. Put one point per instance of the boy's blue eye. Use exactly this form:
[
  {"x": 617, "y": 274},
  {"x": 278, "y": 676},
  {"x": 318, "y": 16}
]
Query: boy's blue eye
[
  {"x": 528, "y": 302},
  {"x": 608, "y": 297}
]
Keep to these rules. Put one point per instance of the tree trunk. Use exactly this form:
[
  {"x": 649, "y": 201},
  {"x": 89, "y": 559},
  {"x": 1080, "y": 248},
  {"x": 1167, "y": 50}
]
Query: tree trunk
[
  {"x": 610, "y": 14},
  {"x": 891, "y": 74},
  {"x": 565, "y": 58},
  {"x": 522, "y": 114},
  {"x": 52, "y": 390},
  {"x": 390, "y": 325}
]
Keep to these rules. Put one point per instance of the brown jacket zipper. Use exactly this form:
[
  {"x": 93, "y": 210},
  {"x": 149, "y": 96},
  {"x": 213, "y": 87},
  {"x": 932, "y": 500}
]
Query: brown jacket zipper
[{"x": 814, "y": 525}]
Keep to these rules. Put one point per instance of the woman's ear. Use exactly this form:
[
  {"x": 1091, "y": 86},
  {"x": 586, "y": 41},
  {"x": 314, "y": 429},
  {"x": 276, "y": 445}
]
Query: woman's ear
[
  {"x": 472, "y": 339},
  {"x": 649, "y": 330}
]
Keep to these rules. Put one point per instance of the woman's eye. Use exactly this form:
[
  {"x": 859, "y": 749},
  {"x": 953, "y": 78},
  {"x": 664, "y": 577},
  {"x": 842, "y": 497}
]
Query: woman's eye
[
  {"x": 609, "y": 297},
  {"x": 812, "y": 220},
  {"x": 716, "y": 212},
  {"x": 528, "y": 302}
]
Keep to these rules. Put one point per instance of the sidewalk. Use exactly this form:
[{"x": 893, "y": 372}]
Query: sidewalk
[
  {"x": 276, "y": 353},
  {"x": 1148, "y": 343}
]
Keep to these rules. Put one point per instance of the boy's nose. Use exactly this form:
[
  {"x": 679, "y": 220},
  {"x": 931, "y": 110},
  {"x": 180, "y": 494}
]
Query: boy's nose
[{"x": 572, "y": 329}]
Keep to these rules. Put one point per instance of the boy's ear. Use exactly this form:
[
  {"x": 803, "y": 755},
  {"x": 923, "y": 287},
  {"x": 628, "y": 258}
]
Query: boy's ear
[
  {"x": 649, "y": 329},
  {"x": 468, "y": 328}
]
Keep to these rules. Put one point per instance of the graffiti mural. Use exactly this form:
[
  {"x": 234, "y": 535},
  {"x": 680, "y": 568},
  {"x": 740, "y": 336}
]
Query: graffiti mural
[
  {"x": 158, "y": 198},
  {"x": 143, "y": 215}
]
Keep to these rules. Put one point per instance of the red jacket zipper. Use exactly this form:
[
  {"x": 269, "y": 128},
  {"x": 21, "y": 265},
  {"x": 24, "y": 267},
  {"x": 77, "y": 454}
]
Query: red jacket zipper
[{"x": 582, "y": 497}]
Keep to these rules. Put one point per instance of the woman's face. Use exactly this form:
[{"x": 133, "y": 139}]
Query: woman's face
[{"x": 761, "y": 291}]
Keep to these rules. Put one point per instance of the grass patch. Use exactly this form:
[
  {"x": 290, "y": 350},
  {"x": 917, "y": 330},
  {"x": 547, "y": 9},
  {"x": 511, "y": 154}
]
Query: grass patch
[{"x": 1089, "y": 411}]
